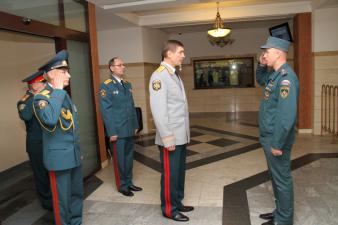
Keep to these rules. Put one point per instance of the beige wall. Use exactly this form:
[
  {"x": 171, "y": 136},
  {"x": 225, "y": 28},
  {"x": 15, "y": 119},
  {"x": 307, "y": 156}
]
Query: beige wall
[
  {"x": 325, "y": 70},
  {"x": 20, "y": 56},
  {"x": 325, "y": 56}
]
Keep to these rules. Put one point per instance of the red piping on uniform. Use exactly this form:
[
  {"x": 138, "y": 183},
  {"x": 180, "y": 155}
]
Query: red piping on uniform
[
  {"x": 55, "y": 198},
  {"x": 116, "y": 168},
  {"x": 167, "y": 182}
]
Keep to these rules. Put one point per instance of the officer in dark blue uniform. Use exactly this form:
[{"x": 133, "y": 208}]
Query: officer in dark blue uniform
[
  {"x": 36, "y": 83},
  {"x": 119, "y": 117},
  {"x": 58, "y": 117},
  {"x": 277, "y": 119}
]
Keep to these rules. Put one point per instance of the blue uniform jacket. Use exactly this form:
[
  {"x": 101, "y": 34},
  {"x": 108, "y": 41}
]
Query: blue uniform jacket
[
  {"x": 33, "y": 129},
  {"x": 278, "y": 109},
  {"x": 118, "y": 108},
  {"x": 58, "y": 117}
]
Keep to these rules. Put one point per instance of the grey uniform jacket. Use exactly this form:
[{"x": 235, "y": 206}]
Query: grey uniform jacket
[{"x": 169, "y": 107}]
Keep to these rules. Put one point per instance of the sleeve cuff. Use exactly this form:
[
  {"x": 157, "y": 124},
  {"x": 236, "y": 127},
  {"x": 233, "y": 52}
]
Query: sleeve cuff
[{"x": 168, "y": 141}]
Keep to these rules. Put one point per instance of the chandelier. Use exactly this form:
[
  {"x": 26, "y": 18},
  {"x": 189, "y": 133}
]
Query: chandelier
[
  {"x": 219, "y": 35},
  {"x": 219, "y": 30}
]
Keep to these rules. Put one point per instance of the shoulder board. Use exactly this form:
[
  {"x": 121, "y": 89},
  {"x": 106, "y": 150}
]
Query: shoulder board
[
  {"x": 45, "y": 93},
  {"x": 284, "y": 72},
  {"x": 108, "y": 81},
  {"x": 25, "y": 97},
  {"x": 160, "y": 69},
  {"x": 125, "y": 81}
]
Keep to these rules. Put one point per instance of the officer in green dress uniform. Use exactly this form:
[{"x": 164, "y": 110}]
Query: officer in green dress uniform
[
  {"x": 277, "y": 119},
  {"x": 36, "y": 83},
  {"x": 169, "y": 107},
  {"x": 120, "y": 121},
  {"x": 58, "y": 118}
]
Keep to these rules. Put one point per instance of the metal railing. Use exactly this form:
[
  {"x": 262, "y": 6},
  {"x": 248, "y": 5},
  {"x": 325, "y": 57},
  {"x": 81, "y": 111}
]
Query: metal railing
[{"x": 329, "y": 110}]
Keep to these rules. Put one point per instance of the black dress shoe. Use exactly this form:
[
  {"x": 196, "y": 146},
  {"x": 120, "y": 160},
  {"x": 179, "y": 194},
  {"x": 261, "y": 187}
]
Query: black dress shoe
[
  {"x": 179, "y": 217},
  {"x": 186, "y": 208},
  {"x": 266, "y": 216},
  {"x": 135, "y": 188},
  {"x": 270, "y": 222},
  {"x": 127, "y": 193}
]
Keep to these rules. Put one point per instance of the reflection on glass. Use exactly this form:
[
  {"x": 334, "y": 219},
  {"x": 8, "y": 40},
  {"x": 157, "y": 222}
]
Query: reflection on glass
[
  {"x": 41, "y": 10},
  {"x": 224, "y": 73},
  {"x": 82, "y": 96},
  {"x": 75, "y": 15}
]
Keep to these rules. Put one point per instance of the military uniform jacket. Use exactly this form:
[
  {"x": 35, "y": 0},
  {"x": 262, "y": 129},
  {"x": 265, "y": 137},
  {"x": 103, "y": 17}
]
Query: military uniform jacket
[
  {"x": 33, "y": 129},
  {"x": 169, "y": 107},
  {"x": 118, "y": 108},
  {"x": 58, "y": 117},
  {"x": 278, "y": 109}
]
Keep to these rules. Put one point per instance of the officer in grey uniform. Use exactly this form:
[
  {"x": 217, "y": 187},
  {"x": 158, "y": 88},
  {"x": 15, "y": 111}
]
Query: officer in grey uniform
[
  {"x": 169, "y": 108},
  {"x": 36, "y": 83},
  {"x": 277, "y": 119},
  {"x": 119, "y": 116},
  {"x": 58, "y": 118}
]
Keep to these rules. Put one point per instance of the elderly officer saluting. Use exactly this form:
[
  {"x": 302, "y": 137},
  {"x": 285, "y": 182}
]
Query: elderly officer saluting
[
  {"x": 277, "y": 119},
  {"x": 61, "y": 151},
  {"x": 119, "y": 116},
  {"x": 36, "y": 83},
  {"x": 169, "y": 108}
]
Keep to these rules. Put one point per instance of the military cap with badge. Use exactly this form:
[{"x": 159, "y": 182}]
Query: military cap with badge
[{"x": 33, "y": 78}]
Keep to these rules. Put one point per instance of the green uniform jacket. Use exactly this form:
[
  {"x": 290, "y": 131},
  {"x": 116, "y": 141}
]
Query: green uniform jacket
[
  {"x": 33, "y": 129},
  {"x": 118, "y": 108},
  {"x": 58, "y": 118},
  {"x": 278, "y": 109}
]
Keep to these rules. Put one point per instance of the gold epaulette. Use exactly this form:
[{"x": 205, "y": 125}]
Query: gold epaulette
[
  {"x": 108, "y": 81},
  {"x": 160, "y": 69},
  {"x": 25, "y": 97},
  {"x": 45, "y": 93}
]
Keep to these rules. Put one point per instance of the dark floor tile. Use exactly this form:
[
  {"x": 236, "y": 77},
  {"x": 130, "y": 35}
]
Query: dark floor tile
[
  {"x": 193, "y": 142},
  {"x": 189, "y": 152},
  {"x": 195, "y": 134},
  {"x": 222, "y": 142}
]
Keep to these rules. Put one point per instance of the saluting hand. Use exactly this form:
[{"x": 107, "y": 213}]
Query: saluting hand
[
  {"x": 58, "y": 81},
  {"x": 262, "y": 60},
  {"x": 276, "y": 152}
]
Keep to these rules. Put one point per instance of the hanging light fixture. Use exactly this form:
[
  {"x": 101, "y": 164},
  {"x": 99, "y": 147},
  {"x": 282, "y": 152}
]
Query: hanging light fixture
[{"x": 219, "y": 30}]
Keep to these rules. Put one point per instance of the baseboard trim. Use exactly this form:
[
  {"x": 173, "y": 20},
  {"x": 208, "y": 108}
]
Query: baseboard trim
[{"x": 305, "y": 131}]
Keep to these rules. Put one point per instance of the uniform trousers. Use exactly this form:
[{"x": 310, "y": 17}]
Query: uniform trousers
[
  {"x": 280, "y": 173},
  {"x": 67, "y": 191},
  {"x": 123, "y": 155},
  {"x": 172, "y": 179},
  {"x": 41, "y": 176}
]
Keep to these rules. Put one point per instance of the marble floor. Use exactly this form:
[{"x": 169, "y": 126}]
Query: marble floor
[{"x": 226, "y": 181}]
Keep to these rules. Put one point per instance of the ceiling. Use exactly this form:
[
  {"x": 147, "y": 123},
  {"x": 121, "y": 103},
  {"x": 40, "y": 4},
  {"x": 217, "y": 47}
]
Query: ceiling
[{"x": 180, "y": 16}]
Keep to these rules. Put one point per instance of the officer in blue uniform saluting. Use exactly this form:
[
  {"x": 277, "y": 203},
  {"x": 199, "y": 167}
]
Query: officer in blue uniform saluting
[
  {"x": 277, "y": 119},
  {"x": 57, "y": 116},
  {"x": 36, "y": 83},
  {"x": 119, "y": 117}
]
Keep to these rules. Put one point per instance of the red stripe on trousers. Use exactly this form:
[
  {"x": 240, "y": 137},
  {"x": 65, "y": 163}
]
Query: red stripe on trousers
[
  {"x": 116, "y": 168},
  {"x": 55, "y": 198},
  {"x": 167, "y": 182}
]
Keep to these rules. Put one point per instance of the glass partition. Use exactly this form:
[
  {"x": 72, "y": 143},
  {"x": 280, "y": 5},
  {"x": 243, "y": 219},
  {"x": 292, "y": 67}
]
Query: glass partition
[
  {"x": 75, "y": 15},
  {"x": 82, "y": 96}
]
